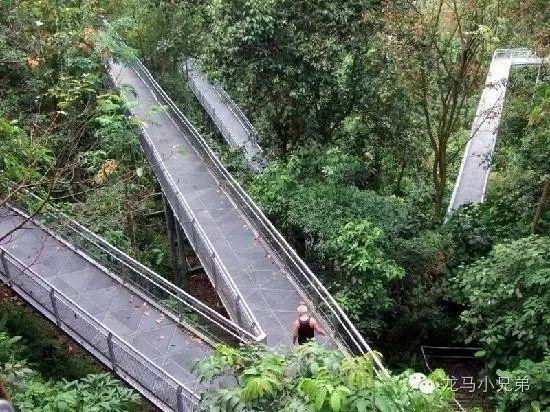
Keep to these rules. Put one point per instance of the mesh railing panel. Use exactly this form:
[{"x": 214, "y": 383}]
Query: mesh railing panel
[
  {"x": 27, "y": 283},
  {"x": 184, "y": 307},
  {"x": 153, "y": 378},
  {"x": 160, "y": 387},
  {"x": 69, "y": 314}
]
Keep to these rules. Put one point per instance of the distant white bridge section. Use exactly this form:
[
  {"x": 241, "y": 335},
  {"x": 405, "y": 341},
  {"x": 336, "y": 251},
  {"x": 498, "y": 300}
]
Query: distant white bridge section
[{"x": 471, "y": 182}]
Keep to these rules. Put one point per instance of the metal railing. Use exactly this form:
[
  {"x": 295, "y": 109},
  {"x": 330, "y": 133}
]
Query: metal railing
[
  {"x": 518, "y": 52},
  {"x": 499, "y": 58},
  {"x": 521, "y": 57},
  {"x": 257, "y": 159},
  {"x": 325, "y": 305},
  {"x": 218, "y": 274},
  {"x": 178, "y": 304},
  {"x": 165, "y": 391}
]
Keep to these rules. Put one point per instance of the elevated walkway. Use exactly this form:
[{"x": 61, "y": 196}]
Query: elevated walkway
[
  {"x": 471, "y": 182},
  {"x": 258, "y": 276},
  {"x": 234, "y": 126},
  {"x": 146, "y": 330}
]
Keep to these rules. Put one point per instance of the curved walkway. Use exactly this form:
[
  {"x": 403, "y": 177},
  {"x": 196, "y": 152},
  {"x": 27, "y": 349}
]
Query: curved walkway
[
  {"x": 471, "y": 182},
  {"x": 257, "y": 274},
  {"x": 259, "y": 277}
]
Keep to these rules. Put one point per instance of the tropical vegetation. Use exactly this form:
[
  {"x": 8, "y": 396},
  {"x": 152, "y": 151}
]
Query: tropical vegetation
[{"x": 363, "y": 108}]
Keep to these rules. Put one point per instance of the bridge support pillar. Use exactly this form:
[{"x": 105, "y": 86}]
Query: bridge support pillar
[
  {"x": 176, "y": 240},
  {"x": 181, "y": 252},
  {"x": 5, "y": 266}
]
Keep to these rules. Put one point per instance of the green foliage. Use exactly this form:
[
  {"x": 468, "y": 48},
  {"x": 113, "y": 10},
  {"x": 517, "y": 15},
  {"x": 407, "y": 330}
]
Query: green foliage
[
  {"x": 467, "y": 228},
  {"x": 30, "y": 391},
  {"x": 307, "y": 83},
  {"x": 10, "y": 349},
  {"x": 94, "y": 393},
  {"x": 316, "y": 193},
  {"x": 38, "y": 343},
  {"x": 507, "y": 296},
  {"x": 535, "y": 396},
  {"x": 363, "y": 288},
  {"x": 114, "y": 133},
  {"x": 22, "y": 160},
  {"x": 163, "y": 32},
  {"x": 311, "y": 378}
]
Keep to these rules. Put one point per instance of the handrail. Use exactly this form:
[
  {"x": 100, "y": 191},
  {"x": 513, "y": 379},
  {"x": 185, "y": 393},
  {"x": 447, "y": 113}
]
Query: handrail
[
  {"x": 174, "y": 396},
  {"x": 235, "y": 109},
  {"x": 241, "y": 307},
  {"x": 297, "y": 268},
  {"x": 257, "y": 160},
  {"x": 147, "y": 280}
]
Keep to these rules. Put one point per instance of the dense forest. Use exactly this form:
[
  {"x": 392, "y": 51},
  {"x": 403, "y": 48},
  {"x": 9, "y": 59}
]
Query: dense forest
[{"x": 363, "y": 109}]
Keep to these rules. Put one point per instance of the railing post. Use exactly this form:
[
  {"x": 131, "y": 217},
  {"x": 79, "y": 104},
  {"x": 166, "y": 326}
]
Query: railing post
[
  {"x": 54, "y": 307},
  {"x": 5, "y": 266},
  {"x": 172, "y": 239},
  {"x": 179, "y": 399},
  {"x": 238, "y": 309},
  {"x": 213, "y": 270},
  {"x": 182, "y": 278},
  {"x": 111, "y": 351},
  {"x": 193, "y": 234}
]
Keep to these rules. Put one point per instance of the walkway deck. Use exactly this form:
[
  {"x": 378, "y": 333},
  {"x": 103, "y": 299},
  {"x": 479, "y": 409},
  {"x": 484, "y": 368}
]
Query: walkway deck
[
  {"x": 234, "y": 126},
  {"x": 185, "y": 179},
  {"x": 152, "y": 352},
  {"x": 471, "y": 183}
]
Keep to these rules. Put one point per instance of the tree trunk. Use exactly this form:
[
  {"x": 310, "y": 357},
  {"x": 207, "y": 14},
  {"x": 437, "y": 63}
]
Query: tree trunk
[
  {"x": 541, "y": 205},
  {"x": 3, "y": 391}
]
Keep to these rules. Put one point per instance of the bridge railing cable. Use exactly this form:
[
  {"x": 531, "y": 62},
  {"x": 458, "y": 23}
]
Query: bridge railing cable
[
  {"x": 153, "y": 382},
  {"x": 325, "y": 305},
  {"x": 178, "y": 304}
]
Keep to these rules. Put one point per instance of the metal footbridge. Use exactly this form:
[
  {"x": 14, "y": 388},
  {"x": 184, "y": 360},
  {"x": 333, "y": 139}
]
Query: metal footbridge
[
  {"x": 146, "y": 329},
  {"x": 258, "y": 276},
  {"x": 234, "y": 126},
  {"x": 473, "y": 176}
]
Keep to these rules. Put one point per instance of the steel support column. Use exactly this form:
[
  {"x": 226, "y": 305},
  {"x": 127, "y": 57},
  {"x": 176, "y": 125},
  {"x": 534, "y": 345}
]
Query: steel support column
[
  {"x": 171, "y": 236},
  {"x": 176, "y": 239},
  {"x": 5, "y": 266},
  {"x": 183, "y": 280}
]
